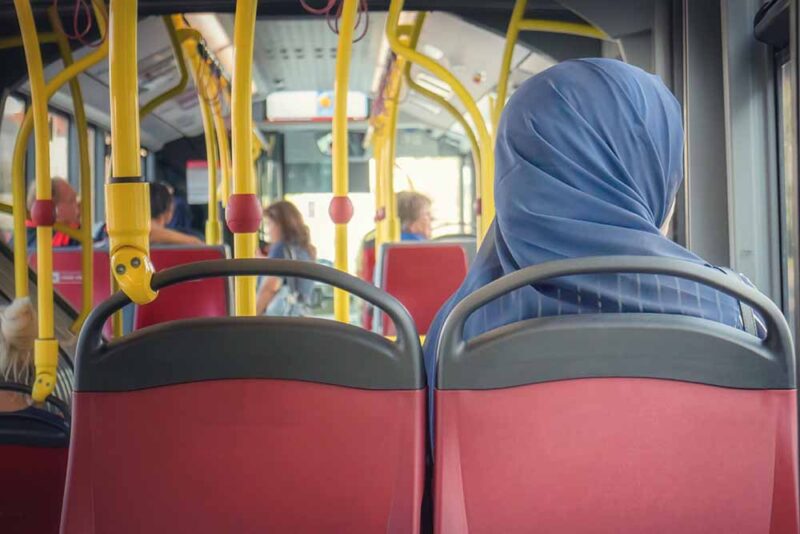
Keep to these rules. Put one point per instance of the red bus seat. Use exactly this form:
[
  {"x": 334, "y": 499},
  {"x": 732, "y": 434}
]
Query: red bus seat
[
  {"x": 205, "y": 298},
  {"x": 33, "y": 466},
  {"x": 422, "y": 276},
  {"x": 248, "y": 424},
  {"x": 198, "y": 298},
  {"x": 616, "y": 422}
]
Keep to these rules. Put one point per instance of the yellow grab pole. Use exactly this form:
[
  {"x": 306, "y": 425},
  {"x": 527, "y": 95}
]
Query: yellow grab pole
[
  {"x": 439, "y": 99},
  {"x": 518, "y": 23},
  {"x": 512, "y": 33},
  {"x": 382, "y": 230},
  {"x": 85, "y": 232},
  {"x": 566, "y": 28},
  {"x": 224, "y": 150},
  {"x": 18, "y": 160},
  {"x": 392, "y": 111},
  {"x": 180, "y": 86},
  {"x": 244, "y": 210},
  {"x": 486, "y": 183},
  {"x": 15, "y": 42},
  {"x": 127, "y": 194},
  {"x": 45, "y": 346},
  {"x": 201, "y": 75},
  {"x": 213, "y": 226},
  {"x": 341, "y": 208}
]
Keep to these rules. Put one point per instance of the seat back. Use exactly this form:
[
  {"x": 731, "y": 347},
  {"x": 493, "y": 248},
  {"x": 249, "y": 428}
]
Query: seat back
[
  {"x": 616, "y": 422},
  {"x": 468, "y": 242},
  {"x": 422, "y": 276},
  {"x": 256, "y": 424},
  {"x": 198, "y": 298},
  {"x": 68, "y": 277},
  {"x": 33, "y": 466}
]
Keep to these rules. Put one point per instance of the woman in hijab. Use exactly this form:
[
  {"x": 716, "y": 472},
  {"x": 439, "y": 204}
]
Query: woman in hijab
[{"x": 589, "y": 159}]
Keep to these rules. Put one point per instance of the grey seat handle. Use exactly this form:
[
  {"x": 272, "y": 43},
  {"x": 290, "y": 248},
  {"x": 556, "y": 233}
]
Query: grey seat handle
[
  {"x": 778, "y": 340},
  {"x": 407, "y": 338}
]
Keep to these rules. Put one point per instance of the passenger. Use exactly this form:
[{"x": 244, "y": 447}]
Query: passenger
[
  {"x": 17, "y": 336},
  {"x": 414, "y": 212},
  {"x": 589, "y": 159},
  {"x": 161, "y": 210},
  {"x": 289, "y": 239},
  {"x": 67, "y": 208}
]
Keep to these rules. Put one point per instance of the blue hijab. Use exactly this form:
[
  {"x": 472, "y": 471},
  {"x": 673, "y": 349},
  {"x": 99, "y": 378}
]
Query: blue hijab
[{"x": 589, "y": 158}]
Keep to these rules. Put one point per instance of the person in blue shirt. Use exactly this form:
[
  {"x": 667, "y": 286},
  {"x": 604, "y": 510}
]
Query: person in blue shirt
[
  {"x": 588, "y": 162},
  {"x": 414, "y": 212},
  {"x": 289, "y": 239}
]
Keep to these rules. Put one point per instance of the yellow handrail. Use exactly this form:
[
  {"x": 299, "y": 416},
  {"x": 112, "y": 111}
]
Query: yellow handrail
[
  {"x": 341, "y": 178},
  {"x": 18, "y": 159},
  {"x": 390, "y": 139},
  {"x": 484, "y": 138},
  {"x": 245, "y": 243},
  {"x": 202, "y": 76},
  {"x": 382, "y": 227},
  {"x": 85, "y": 231},
  {"x": 518, "y": 23},
  {"x": 224, "y": 150},
  {"x": 566, "y": 28},
  {"x": 127, "y": 194},
  {"x": 45, "y": 346},
  {"x": 440, "y": 100},
  {"x": 180, "y": 86},
  {"x": 16, "y": 41}
]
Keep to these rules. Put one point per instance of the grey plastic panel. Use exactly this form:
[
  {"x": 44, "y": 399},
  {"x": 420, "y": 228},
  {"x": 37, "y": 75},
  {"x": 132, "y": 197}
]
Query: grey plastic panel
[
  {"x": 194, "y": 350},
  {"x": 617, "y": 345},
  {"x": 308, "y": 349}
]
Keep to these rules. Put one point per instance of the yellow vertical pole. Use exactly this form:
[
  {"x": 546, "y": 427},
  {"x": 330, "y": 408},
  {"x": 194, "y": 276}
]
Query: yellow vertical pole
[
  {"x": 87, "y": 263},
  {"x": 21, "y": 144},
  {"x": 127, "y": 194},
  {"x": 486, "y": 184},
  {"x": 382, "y": 234},
  {"x": 512, "y": 33},
  {"x": 45, "y": 346},
  {"x": 244, "y": 213},
  {"x": 341, "y": 208},
  {"x": 224, "y": 150}
]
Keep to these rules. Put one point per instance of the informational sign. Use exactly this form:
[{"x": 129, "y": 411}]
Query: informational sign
[
  {"x": 197, "y": 182},
  {"x": 314, "y": 106}
]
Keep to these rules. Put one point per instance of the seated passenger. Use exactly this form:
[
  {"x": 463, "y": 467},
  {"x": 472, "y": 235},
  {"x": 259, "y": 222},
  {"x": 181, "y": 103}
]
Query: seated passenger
[
  {"x": 161, "y": 210},
  {"x": 290, "y": 240},
  {"x": 589, "y": 159},
  {"x": 17, "y": 336},
  {"x": 414, "y": 212},
  {"x": 68, "y": 212}
]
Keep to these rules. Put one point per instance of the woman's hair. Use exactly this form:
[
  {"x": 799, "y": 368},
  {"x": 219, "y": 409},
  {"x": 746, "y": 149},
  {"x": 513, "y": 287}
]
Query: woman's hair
[
  {"x": 160, "y": 199},
  {"x": 17, "y": 335},
  {"x": 410, "y": 206},
  {"x": 290, "y": 221}
]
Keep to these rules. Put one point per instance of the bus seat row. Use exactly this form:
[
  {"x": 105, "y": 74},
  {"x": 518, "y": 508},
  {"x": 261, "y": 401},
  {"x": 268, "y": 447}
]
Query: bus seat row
[
  {"x": 204, "y": 298},
  {"x": 586, "y": 423},
  {"x": 422, "y": 276}
]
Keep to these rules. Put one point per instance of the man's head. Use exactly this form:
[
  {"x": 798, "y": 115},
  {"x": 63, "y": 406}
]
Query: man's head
[
  {"x": 65, "y": 199},
  {"x": 161, "y": 203},
  {"x": 414, "y": 211}
]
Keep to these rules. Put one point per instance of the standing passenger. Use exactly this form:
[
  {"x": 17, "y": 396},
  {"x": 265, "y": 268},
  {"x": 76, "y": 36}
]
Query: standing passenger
[{"x": 289, "y": 240}]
